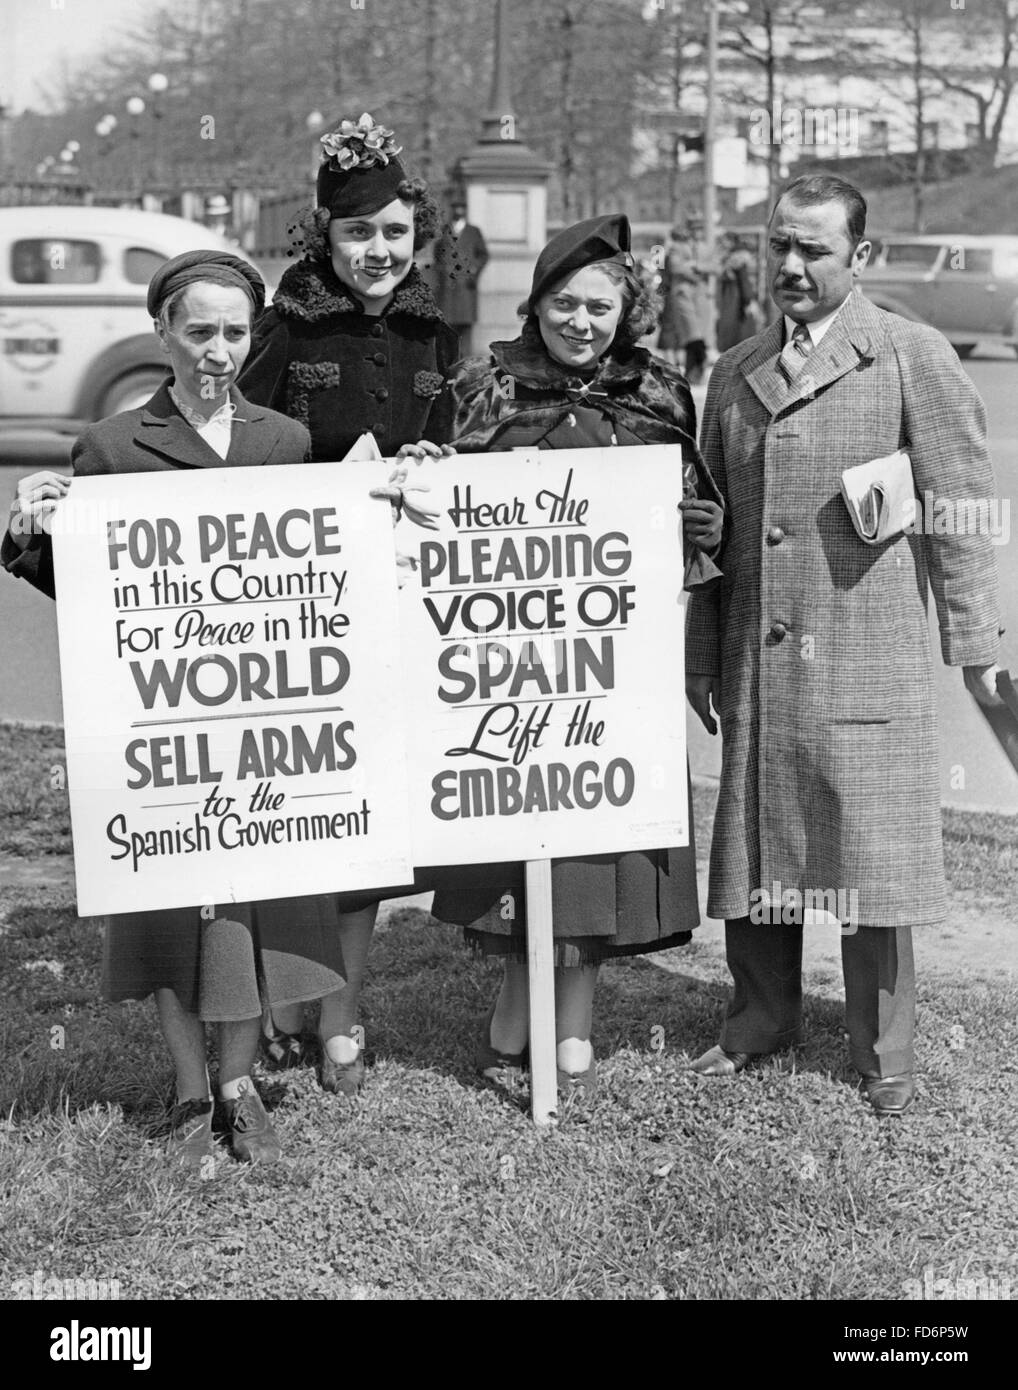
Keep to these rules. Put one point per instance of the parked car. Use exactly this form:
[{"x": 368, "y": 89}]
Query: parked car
[
  {"x": 967, "y": 286},
  {"x": 76, "y": 341}
]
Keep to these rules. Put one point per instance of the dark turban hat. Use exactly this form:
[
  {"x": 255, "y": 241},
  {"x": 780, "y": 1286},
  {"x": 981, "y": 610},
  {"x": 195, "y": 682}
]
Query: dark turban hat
[
  {"x": 218, "y": 267},
  {"x": 596, "y": 239},
  {"x": 360, "y": 173}
]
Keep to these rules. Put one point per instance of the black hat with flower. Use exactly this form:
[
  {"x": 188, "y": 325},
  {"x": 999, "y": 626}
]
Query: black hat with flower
[{"x": 360, "y": 171}]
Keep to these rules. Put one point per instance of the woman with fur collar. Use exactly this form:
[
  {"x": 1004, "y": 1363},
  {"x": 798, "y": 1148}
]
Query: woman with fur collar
[
  {"x": 575, "y": 378},
  {"x": 354, "y": 343}
]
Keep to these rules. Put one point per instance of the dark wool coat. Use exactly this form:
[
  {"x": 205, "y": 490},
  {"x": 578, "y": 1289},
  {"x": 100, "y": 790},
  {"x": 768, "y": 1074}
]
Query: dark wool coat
[
  {"x": 684, "y": 319},
  {"x": 155, "y": 438},
  {"x": 609, "y": 904},
  {"x": 289, "y": 946},
  {"x": 735, "y": 298},
  {"x": 319, "y": 358},
  {"x": 457, "y": 264},
  {"x": 829, "y": 775}
]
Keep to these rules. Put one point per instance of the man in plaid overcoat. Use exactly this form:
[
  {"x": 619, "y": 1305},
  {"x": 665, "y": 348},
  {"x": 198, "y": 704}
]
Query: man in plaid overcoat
[{"x": 814, "y": 650}]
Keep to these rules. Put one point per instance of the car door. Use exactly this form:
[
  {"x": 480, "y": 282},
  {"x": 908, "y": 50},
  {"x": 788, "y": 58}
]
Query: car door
[
  {"x": 906, "y": 271},
  {"x": 969, "y": 299},
  {"x": 1005, "y": 271}
]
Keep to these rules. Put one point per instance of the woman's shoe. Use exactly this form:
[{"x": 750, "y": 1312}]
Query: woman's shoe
[
  {"x": 283, "y": 1051},
  {"x": 581, "y": 1084},
  {"x": 341, "y": 1078},
  {"x": 254, "y": 1139},
  {"x": 717, "y": 1062},
  {"x": 487, "y": 1060},
  {"x": 190, "y": 1139}
]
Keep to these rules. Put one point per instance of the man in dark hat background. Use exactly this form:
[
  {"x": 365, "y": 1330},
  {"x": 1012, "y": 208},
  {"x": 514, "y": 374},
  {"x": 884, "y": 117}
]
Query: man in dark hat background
[{"x": 459, "y": 256}]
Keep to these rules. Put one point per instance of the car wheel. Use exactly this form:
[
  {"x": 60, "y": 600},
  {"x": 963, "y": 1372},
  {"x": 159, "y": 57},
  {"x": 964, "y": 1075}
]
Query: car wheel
[
  {"x": 131, "y": 391},
  {"x": 964, "y": 349}
]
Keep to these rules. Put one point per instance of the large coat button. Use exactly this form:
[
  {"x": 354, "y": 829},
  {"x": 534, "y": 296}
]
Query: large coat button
[
  {"x": 379, "y": 359},
  {"x": 775, "y": 535},
  {"x": 377, "y": 330},
  {"x": 779, "y": 631},
  {"x": 381, "y": 394}
]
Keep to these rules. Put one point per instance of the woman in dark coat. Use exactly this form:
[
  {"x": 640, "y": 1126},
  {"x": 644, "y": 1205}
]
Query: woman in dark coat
[
  {"x": 683, "y": 317},
  {"x": 199, "y": 970},
  {"x": 738, "y": 311},
  {"x": 354, "y": 343},
  {"x": 579, "y": 381}
]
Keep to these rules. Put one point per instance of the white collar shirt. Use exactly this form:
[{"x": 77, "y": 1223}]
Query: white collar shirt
[{"x": 216, "y": 430}]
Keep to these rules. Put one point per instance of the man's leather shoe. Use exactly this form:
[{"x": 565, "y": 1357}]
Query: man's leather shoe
[
  {"x": 717, "y": 1062},
  {"x": 890, "y": 1095}
]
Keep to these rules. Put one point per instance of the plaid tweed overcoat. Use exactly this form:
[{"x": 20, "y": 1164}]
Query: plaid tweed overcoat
[{"x": 829, "y": 774}]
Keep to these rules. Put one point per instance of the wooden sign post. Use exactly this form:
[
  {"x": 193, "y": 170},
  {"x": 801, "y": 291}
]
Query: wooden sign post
[{"x": 541, "y": 986}]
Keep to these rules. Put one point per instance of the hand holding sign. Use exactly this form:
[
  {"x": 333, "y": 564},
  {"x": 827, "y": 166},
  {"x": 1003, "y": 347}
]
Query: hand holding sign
[
  {"x": 396, "y": 491},
  {"x": 702, "y": 522},
  {"x": 34, "y": 504}
]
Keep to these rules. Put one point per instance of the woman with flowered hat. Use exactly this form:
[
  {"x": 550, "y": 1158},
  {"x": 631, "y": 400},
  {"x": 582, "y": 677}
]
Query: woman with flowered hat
[{"x": 354, "y": 343}]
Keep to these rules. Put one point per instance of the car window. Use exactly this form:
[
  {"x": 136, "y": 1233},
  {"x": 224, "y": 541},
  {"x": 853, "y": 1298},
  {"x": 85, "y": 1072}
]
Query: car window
[
  {"x": 52, "y": 262},
  {"x": 969, "y": 260},
  {"x": 140, "y": 264},
  {"x": 911, "y": 253},
  {"x": 1005, "y": 264}
]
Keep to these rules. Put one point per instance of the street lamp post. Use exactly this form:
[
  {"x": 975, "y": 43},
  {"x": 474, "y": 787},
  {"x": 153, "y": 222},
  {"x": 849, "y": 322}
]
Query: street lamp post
[
  {"x": 135, "y": 107},
  {"x": 314, "y": 122},
  {"x": 158, "y": 82},
  {"x": 709, "y": 137}
]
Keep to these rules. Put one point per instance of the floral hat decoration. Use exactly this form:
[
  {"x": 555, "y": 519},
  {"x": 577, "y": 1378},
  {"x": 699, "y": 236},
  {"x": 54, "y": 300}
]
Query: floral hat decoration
[{"x": 360, "y": 171}]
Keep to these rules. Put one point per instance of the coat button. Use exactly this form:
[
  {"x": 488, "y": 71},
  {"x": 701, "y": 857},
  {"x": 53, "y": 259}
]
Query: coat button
[
  {"x": 779, "y": 631},
  {"x": 377, "y": 430},
  {"x": 775, "y": 535},
  {"x": 379, "y": 359},
  {"x": 381, "y": 394},
  {"x": 376, "y": 330}
]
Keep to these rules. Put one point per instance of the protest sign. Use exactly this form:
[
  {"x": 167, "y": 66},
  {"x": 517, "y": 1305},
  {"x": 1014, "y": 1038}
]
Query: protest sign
[
  {"x": 228, "y": 651},
  {"x": 543, "y": 634}
]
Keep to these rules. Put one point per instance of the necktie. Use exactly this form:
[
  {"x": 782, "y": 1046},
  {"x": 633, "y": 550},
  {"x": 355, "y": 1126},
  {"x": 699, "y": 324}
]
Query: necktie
[{"x": 794, "y": 353}]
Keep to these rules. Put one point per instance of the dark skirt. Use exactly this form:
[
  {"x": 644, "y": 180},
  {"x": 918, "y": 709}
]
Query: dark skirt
[
  {"x": 603, "y": 905},
  {"x": 280, "y": 951}
]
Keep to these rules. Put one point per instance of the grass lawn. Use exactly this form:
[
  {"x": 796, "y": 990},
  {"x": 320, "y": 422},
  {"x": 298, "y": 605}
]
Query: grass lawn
[{"x": 777, "y": 1184}]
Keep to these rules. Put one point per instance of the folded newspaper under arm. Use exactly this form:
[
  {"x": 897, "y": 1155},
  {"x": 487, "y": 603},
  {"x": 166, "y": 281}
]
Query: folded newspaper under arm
[{"x": 880, "y": 497}]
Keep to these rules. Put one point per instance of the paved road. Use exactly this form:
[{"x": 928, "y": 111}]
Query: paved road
[{"x": 973, "y": 769}]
